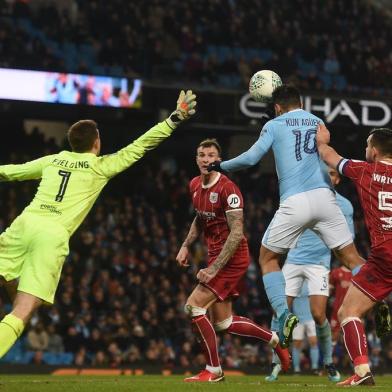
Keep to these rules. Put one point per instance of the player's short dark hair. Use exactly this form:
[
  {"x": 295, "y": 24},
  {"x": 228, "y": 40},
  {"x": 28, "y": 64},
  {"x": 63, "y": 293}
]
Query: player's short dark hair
[
  {"x": 382, "y": 140},
  {"x": 212, "y": 142},
  {"x": 286, "y": 96},
  {"x": 82, "y": 135}
]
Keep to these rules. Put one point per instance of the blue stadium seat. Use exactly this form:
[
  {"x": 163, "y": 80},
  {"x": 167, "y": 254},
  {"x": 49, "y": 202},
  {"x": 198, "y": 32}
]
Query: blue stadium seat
[
  {"x": 25, "y": 24},
  {"x": 115, "y": 70},
  {"x": 211, "y": 49},
  {"x": 98, "y": 70},
  {"x": 238, "y": 52},
  {"x": 86, "y": 53},
  {"x": 265, "y": 54}
]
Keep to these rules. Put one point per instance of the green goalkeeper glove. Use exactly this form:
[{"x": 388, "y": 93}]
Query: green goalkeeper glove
[{"x": 186, "y": 104}]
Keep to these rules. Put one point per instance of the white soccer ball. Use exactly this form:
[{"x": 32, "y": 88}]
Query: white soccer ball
[{"x": 262, "y": 84}]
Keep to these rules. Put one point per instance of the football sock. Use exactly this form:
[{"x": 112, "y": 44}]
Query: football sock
[
  {"x": 314, "y": 357},
  {"x": 356, "y": 269},
  {"x": 11, "y": 327},
  {"x": 214, "y": 369},
  {"x": 355, "y": 341},
  {"x": 245, "y": 327},
  {"x": 274, "y": 324},
  {"x": 275, "y": 358},
  {"x": 275, "y": 287},
  {"x": 296, "y": 357},
  {"x": 275, "y": 328},
  {"x": 324, "y": 337},
  {"x": 207, "y": 339}
]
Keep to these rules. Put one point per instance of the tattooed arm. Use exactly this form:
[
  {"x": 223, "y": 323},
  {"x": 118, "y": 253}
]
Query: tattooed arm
[
  {"x": 235, "y": 221},
  {"x": 193, "y": 233}
]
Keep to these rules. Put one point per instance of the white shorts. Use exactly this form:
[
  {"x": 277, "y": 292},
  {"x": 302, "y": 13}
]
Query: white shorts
[
  {"x": 308, "y": 328},
  {"x": 316, "y": 277},
  {"x": 317, "y": 210}
]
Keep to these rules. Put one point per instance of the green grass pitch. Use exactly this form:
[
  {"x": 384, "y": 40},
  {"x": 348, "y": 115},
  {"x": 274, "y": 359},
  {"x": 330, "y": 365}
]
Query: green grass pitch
[{"x": 32, "y": 383}]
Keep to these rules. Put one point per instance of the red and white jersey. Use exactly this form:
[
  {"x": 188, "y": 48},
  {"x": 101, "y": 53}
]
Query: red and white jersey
[
  {"x": 211, "y": 203},
  {"x": 340, "y": 279},
  {"x": 374, "y": 185}
]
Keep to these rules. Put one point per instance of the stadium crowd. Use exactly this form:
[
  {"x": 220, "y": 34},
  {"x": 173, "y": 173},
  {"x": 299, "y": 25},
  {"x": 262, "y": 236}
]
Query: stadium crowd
[
  {"x": 339, "y": 46},
  {"x": 121, "y": 296}
]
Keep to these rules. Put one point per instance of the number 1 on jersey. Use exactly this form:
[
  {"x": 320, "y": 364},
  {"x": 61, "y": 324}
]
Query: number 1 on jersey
[{"x": 63, "y": 186}]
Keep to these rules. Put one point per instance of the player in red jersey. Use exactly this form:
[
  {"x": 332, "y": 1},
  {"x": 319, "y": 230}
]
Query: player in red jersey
[
  {"x": 339, "y": 282},
  {"x": 373, "y": 283},
  {"x": 219, "y": 215}
]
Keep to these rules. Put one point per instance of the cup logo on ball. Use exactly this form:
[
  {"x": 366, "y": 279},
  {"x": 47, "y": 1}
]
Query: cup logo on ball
[{"x": 262, "y": 84}]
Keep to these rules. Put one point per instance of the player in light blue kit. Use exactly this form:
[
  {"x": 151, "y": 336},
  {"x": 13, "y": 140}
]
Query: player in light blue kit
[
  {"x": 308, "y": 266},
  {"x": 306, "y": 198},
  {"x": 306, "y": 326},
  {"x": 310, "y": 263}
]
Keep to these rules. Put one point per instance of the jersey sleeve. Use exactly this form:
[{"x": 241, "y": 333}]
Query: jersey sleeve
[
  {"x": 110, "y": 165},
  {"x": 254, "y": 154},
  {"x": 231, "y": 197},
  {"x": 26, "y": 171},
  {"x": 351, "y": 168},
  {"x": 192, "y": 187}
]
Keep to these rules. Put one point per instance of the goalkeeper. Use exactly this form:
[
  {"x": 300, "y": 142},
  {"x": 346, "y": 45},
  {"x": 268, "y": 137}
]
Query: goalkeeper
[{"x": 33, "y": 248}]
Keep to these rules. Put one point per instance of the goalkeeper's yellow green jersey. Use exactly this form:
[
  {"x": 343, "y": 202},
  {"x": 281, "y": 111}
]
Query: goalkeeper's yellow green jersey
[{"x": 71, "y": 182}]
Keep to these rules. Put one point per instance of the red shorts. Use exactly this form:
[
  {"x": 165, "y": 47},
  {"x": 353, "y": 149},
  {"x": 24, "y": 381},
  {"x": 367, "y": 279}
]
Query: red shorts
[
  {"x": 375, "y": 278},
  {"x": 229, "y": 281}
]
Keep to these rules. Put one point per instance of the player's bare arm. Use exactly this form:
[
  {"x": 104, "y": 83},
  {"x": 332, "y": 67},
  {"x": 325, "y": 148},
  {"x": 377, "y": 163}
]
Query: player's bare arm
[
  {"x": 327, "y": 153},
  {"x": 235, "y": 221},
  {"x": 193, "y": 234}
]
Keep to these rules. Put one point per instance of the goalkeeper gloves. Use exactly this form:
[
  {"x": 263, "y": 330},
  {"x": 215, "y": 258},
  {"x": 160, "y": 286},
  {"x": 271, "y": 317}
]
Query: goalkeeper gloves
[
  {"x": 215, "y": 166},
  {"x": 186, "y": 104}
]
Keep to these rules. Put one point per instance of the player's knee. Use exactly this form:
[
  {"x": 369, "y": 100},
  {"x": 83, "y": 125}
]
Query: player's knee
[
  {"x": 223, "y": 325},
  {"x": 348, "y": 319},
  {"x": 341, "y": 314},
  {"x": 345, "y": 312},
  {"x": 194, "y": 311},
  {"x": 25, "y": 305},
  {"x": 318, "y": 316}
]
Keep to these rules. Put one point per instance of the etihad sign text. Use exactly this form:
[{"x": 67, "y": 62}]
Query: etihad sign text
[{"x": 362, "y": 112}]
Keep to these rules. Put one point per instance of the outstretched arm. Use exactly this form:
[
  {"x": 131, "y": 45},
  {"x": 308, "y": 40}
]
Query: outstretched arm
[
  {"x": 327, "y": 153},
  {"x": 235, "y": 221},
  {"x": 248, "y": 158},
  {"x": 26, "y": 171},
  {"x": 193, "y": 234},
  {"x": 110, "y": 165}
]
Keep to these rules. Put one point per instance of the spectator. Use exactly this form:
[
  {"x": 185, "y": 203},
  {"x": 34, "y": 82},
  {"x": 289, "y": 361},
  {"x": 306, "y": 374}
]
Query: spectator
[{"x": 55, "y": 341}]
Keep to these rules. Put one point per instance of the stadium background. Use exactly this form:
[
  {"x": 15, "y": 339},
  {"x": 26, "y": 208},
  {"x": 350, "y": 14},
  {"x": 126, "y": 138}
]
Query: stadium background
[{"x": 120, "y": 300}]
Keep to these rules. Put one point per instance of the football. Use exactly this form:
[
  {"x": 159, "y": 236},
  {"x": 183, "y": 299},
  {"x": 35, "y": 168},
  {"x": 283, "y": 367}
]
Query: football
[{"x": 262, "y": 84}]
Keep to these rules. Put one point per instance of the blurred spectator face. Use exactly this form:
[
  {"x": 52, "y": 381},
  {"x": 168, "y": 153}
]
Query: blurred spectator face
[
  {"x": 51, "y": 329},
  {"x": 100, "y": 358},
  {"x": 106, "y": 93},
  {"x": 63, "y": 78}
]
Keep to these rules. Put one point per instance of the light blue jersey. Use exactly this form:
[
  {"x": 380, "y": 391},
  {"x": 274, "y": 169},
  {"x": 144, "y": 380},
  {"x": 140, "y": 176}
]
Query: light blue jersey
[
  {"x": 292, "y": 138},
  {"x": 301, "y": 306},
  {"x": 311, "y": 249}
]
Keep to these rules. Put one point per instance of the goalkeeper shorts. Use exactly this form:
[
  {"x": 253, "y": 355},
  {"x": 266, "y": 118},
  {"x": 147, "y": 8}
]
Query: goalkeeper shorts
[{"x": 33, "y": 250}]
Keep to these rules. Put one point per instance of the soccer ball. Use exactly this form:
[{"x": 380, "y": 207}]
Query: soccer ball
[{"x": 262, "y": 84}]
